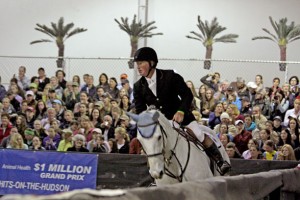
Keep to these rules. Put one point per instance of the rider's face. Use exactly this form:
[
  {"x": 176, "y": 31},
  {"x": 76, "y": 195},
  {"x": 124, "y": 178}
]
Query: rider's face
[{"x": 143, "y": 67}]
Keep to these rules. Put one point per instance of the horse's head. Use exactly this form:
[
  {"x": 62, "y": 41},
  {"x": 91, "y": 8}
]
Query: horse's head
[{"x": 152, "y": 139}]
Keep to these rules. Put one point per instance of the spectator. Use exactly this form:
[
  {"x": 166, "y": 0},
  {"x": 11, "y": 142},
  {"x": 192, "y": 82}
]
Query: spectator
[
  {"x": 264, "y": 135},
  {"x": 232, "y": 151},
  {"x": 201, "y": 92},
  {"x": 107, "y": 129},
  {"x": 247, "y": 154},
  {"x": 113, "y": 90},
  {"x": 285, "y": 138},
  {"x": 86, "y": 128},
  {"x": 39, "y": 130},
  {"x": 68, "y": 118},
  {"x": 294, "y": 112},
  {"x": 246, "y": 107},
  {"x": 225, "y": 139},
  {"x": 224, "y": 131},
  {"x": 79, "y": 142},
  {"x": 234, "y": 113},
  {"x": 198, "y": 117},
  {"x": 8, "y": 108},
  {"x": 21, "y": 124},
  {"x": 5, "y": 141},
  {"x": 258, "y": 117},
  {"x": 252, "y": 92},
  {"x": 125, "y": 104},
  {"x": 29, "y": 134},
  {"x": 103, "y": 82},
  {"x": 83, "y": 111},
  {"x": 76, "y": 79},
  {"x": 286, "y": 153},
  {"x": 66, "y": 142},
  {"x": 275, "y": 87},
  {"x": 16, "y": 142},
  {"x": 259, "y": 82},
  {"x": 135, "y": 147},
  {"x": 196, "y": 100},
  {"x": 213, "y": 83},
  {"x": 270, "y": 153},
  {"x": 279, "y": 105},
  {"x": 51, "y": 142},
  {"x": 122, "y": 139},
  {"x": 36, "y": 144},
  {"x": 208, "y": 104},
  {"x": 84, "y": 98},
  {"x": 294, "y": 87},
  {"x": 214, "y": 117},
  {"x": 294, "y": 130},
  {"x": 242, "y": 138},
  {"x": 43, "y": 79},
  {"x": 30, "y": 117},
  {"x": 126, "y": 86},
  {"x": 23, "y": 80},
  {"x": 255, "y": 153},
  {"x": 90, "y": 89},
  {"x": 249, "y": 124},
  {"x": 95, "y": 118},
  {"x": 5, "y": 126},
  {"x": 59, "y": 109},
  {"x": 40, "y": 110},
  {"x": 99, "y": 94},
  {"x": 73, "y": 97},
  {"x": 277, "y": 124},
  {"x": 93, "y": 142},
  {"x": 113, "y": 145},
  {"x": 101, "y": 146},
  {"x": 116, "y": 112},
  {"x": 2, "y": 90},
  {"x": 60, "y": 75}
]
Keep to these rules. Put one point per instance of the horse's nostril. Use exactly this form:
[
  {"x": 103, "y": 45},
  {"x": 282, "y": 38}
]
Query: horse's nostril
[{"x": 161, "y": 173}]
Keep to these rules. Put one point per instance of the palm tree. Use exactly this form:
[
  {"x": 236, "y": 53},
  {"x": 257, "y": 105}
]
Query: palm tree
[
  {"x": 59, "y": 33},
  {"x": 207, "y": 35},
  {"x": 284, "y": 34},
  {"x": 136, "y": 30}
]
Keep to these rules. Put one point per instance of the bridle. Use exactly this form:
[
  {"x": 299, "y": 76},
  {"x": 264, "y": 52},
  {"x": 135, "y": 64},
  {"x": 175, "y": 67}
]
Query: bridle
[{"x": 172, "y": 152}]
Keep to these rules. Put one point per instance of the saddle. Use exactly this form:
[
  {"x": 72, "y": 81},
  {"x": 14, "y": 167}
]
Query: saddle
[{"x": 190, "y": 136}]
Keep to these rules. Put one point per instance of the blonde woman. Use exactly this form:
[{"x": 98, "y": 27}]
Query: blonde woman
[
  {"x": 17, "y": 142},
  {"x": 286, "y": 153},
  {"x": 122, "y": 139}
]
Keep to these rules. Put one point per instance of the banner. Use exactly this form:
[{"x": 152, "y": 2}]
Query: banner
[{"x": 46, "y": 172}]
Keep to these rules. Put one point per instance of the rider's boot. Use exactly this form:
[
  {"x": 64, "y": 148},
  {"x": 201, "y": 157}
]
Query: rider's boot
[{"x": 213, "y": 152}]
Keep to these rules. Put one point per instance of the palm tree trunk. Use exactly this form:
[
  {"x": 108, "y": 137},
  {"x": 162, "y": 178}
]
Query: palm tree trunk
[
  {"x": 207, "y": 63},
  {"x": 282, "y": 66},
  {"x": 60, "y": 60},
  {"x": 134, "y": 47}
]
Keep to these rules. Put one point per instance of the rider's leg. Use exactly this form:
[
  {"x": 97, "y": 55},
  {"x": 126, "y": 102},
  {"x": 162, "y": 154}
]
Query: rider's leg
[{"x": 211, "y": 148}]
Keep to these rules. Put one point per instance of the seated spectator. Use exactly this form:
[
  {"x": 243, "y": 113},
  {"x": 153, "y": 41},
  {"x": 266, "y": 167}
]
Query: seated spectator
[
  {"x": 214, "y": 117},
  {"x": 294, "y": 112},
  {"x": 40, "y": 110},
  {"x": 255, "y": 153},
  {"x": 225, "y": 139},
  {"x": 73, "y": 97},
  {"x": 208, "y": 103},
  {"x": 131, "y": 128},
  {"x": 285, "y": 138},
  {"x": 232, "y": 151},
  {"x": 249, "y": 124},
  {"x": 279, "y": 105},
  {"x": 293, "y": 126},
  {"x": 21, "y": 124},
  {"x": 60, "y": 75},
  {"x": 30, "y": 117},
  {"x": 198, "y": 116},
  {"x": 8, "y": 108},
  {"x": 36, "y": 144},
  {"x": 30, "y": 98},
  {"x": 224, "y": 131},
  {"x": 39, "y": 129},
  {"x": 68, "y": 118},
  {"x": 5, "y": 141},
  {"x": 101, "y": 146},
  {"x": 135, "y": 147},
  {"x": 56, "y": 87},
  {"x": 242, "y": 138},
  {"x": 16, "y": 142},
  {"x": 5, "y": 126},
  {"x": 83, "y": 111},
  {"x": 92, "y": 143},
  {"x": 224, "y": 119},
  {"x": 43, "y": 79},
  {"x": 247, "y": 154},
  {"x": 89, "y": 88},
  {"x": 258, "y": 117},
  {"x": 270, "y": 153},
  {"x": 66, "y": 142},
  {"x": 246, "y": 107},
  {"x": 286, "y": 153},
  {"x": 125, "y": 104},
  {"x": 79, "y": 144},
  {"x": 277, "y": 124},
  {"x": 107, "y": 129},
  {"x": 29, "y": 134},
  {"x": 122, "y": 139},
  {"x": 113, "y": 145},
  {"x": 51, "y": 142},
  {"x": 264, "y": 135},
  {"x": 273, "y": 134},
  {"x": 86, "y": 128},
  {"x": 2, "y": 91},
  {"x": 234, "y": 113}
]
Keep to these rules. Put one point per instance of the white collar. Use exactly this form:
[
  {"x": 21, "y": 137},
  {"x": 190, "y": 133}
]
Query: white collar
[{"x": 152, "y": 79}]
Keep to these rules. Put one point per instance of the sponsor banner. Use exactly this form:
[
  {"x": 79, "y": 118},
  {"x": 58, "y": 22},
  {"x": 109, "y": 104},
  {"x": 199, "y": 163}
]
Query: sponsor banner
[{"x": 46, "y": 172}]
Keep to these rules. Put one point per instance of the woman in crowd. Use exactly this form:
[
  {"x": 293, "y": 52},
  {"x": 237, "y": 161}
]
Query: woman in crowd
[
  {"x": 51, "y": 142},
  {"x": 84, "y": 99},
  {"x": 113, "y": 89},
  {"x": 264, "y": 135},
  {"x": 286, "y": 153},
  {"x": 214, "y": 117},
  {"x": 95, "y": 118},
  {"x": 255, "y": 153},
  {"x": 202, "y": 92},
  {"x": 270, "y": 152},
  {"x": 78, "y": 144},
  {"x": 208, "y": 104},
  {"x": 122, "y": 139},
  {"x": 86, "y": 128},
  {"x": 16, "y": 142},
  {"x": 40, "y": 110},
  {"x": 259, "y": 83},
  {"x": 279, "y": 105},
  {"x": 294, "y": 130},
  {"x": 21, "y": 124},
  {"x": 113, "y": 145},
  {"x": 234, "y": 113},
  {"x": 36, "y": 144},
  {"x": 39, "y": 129},
  {"x": 249, "y": 123},
  {"x": 285, "y": 138},
  {"x": 247, "y": 154},
  {"x": 103, "y": 82},
  {"x": 275, "y": 87},
  {"x": 125, "y": 104},
  {"x": 76, "y": 79},
  {"x": 83, "y": 111},
  {"x": 66, "y": 142}
]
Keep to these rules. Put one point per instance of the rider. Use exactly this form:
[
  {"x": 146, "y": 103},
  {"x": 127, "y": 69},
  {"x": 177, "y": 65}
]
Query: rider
[{"x": 169, "y": 93}]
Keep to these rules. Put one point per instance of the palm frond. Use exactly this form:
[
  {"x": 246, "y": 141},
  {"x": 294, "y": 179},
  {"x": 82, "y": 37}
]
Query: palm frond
[
  {"x": 264, "y": 37},
  {"x": 228, "y": 38},
  {"x": 76, "y": 31},
  {"x": 40, "y": 41},
  {"x": 271, "y": 34}
]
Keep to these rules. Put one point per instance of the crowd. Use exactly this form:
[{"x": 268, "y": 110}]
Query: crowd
[{"x": 50, "y": 113}]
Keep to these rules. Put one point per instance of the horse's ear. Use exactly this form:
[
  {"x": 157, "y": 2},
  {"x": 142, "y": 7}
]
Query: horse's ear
[
  {"x": 135, "y": 117},
  {"x": 155, "y": 116}
]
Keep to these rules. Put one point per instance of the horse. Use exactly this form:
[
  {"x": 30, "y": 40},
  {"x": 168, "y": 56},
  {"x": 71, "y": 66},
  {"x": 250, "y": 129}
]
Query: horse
[{"x": 171, "y": 156}]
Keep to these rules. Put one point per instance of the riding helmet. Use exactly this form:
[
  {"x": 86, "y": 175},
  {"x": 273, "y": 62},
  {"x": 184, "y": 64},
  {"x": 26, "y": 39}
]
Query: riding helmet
[{"x": 145, "y": 54}]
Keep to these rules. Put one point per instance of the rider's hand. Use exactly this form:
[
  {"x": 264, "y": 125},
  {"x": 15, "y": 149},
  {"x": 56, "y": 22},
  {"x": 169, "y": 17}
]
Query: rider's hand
[{"x": 178, "y": 117}]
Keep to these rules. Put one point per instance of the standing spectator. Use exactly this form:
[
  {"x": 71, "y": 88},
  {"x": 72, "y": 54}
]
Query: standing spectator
[
  {"x": 23, "y": 80},
  {"x": 242, "y": 138},
  {"x": 60, "y": 75},
  {"x": 259, "y": 82},
  {"x": 43, "y": 79},
  {"x": 90, "y": 89}
]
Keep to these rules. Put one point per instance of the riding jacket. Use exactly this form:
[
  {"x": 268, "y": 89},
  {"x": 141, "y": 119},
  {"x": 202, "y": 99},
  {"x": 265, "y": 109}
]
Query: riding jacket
[{"x": 172, "y": 95}]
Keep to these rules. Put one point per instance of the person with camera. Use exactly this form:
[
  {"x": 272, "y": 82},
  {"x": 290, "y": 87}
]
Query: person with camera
[
  {"x": 213, "y": 82},
  {"x": 279, "y": 105}
]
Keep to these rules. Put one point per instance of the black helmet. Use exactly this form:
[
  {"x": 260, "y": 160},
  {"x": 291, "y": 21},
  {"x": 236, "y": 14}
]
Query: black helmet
[{"x": 145, "y": 54}]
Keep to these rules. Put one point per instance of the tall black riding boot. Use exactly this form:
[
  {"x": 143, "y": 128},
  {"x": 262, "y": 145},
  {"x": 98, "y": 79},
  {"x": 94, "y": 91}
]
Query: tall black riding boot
[{"x": 213, "y": 152}]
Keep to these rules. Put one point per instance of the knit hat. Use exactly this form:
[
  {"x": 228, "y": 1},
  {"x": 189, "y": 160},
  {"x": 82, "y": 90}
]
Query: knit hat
[{"x": 224, "y": 115}]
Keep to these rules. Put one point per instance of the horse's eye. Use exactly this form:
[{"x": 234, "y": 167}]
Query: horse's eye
[{"x": 159, "y": 137}]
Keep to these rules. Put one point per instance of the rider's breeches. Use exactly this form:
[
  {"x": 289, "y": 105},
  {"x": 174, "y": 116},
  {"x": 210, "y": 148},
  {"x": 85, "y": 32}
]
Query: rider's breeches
[{"x": 197, "y": 130}]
